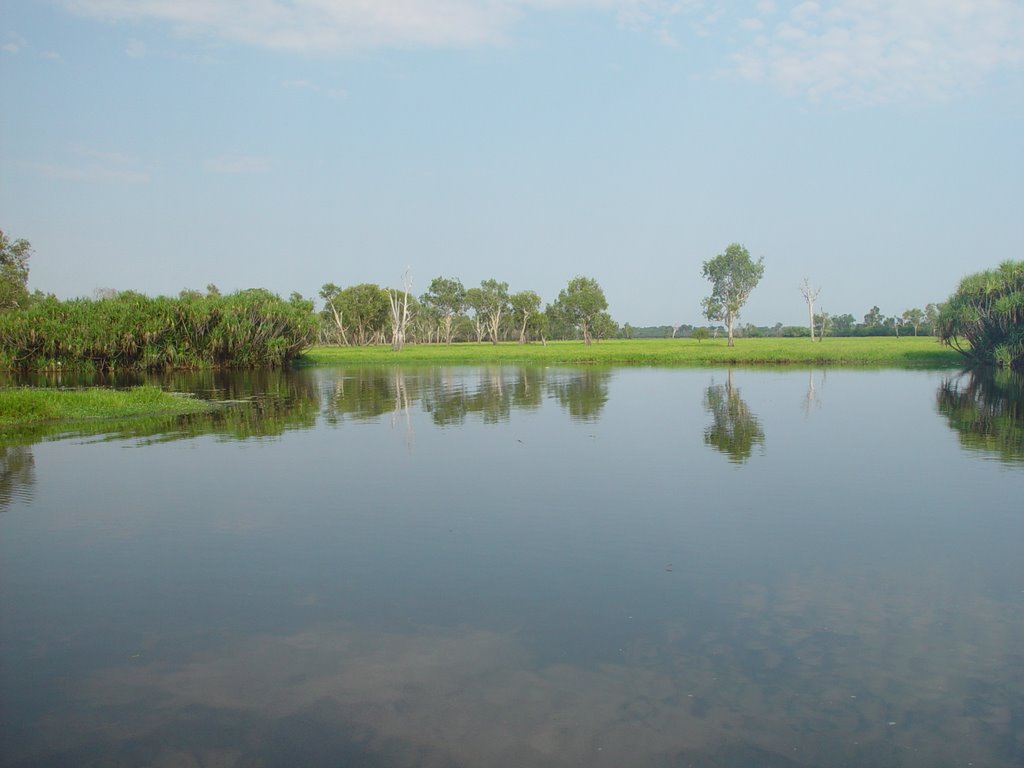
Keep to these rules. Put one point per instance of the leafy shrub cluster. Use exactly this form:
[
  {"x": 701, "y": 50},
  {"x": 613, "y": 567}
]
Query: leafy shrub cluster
[
  {"x": 987, "y": 312},
  {"x": 253, "y": 328}
]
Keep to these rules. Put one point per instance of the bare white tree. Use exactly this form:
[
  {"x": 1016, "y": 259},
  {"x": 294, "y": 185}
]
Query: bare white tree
[
  {"x": 399, "y": 301},
  {"x": 810, "y": 296}
]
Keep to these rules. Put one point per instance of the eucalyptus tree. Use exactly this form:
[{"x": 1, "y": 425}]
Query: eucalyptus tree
[
  {"x": 493, "y": 305},
  {"x": 733, "y": 276},
  {"x": 810, "y": 296},
  {"x": 14, "y": 256},
  {"x": 332, "y": 312},
  {"x": 398, "y": 303},
  {"x": 367, "y": 308},
  {"x": 931, "y": 316},
  {"x": 914, "y": 318},
  {"x": 580, "y": 304},
  {"x": 984, "y": 319},
  {"x": 476, "y": 303},
  {"x": 524, "y": 306},
  {"x": 447, "y": 297}
]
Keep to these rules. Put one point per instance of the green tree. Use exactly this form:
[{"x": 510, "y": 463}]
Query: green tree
[
  {"x": 699, "y": 334},
  {"x": 931, "y": 317},
  {"x": 447, "y": 298},
  {"x": 367, "y": 309},
  {"x": 580, "y": 304},
  {"x": 842, "y": 325},
  {"x": 735, "y": 430},
  {"x": 332, "y": 312},
  {"x": 914, "y": 318},
  {"x": 984, "y": 319},
  {"x": 733, "y": 277},
  {"x": 14, "y": 256},
  {"x": 524, "y": 305},
  {"x": 493, "y": 305},
  {"x": 627, "y": 331},
  {"x": 873, "y": 318}
]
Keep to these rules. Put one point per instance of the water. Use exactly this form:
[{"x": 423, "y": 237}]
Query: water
[{"x": 523, "y": 567}]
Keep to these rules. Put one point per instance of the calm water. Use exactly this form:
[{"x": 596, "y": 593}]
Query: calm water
[{"x": 524, "y": 567}]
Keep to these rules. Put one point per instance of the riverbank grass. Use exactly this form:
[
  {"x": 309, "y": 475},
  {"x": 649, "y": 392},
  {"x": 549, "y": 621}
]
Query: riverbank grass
[
  {"x": 26, "y": 406},
  {"x": 888, "y": 351}
]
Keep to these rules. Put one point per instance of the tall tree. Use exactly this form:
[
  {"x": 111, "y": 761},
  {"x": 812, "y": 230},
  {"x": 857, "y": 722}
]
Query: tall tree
[
  {"x": 733, "y": 276},
  {"x": 447, "y": 297},
  {"x": 913, "y": 317},
  {"x": 493, "y": 304},
  {"x": 580, "y": 304},
  {"x": 873, "y": 318},
  {"x": 366, "y": 307},
  {"x": 810, "y": 296},
  {"x": 14, "y": 256},
  {"x": 332, "y": 312},
  {"x": 398, "y": 303},
  {"x": 524, "y": 305}
]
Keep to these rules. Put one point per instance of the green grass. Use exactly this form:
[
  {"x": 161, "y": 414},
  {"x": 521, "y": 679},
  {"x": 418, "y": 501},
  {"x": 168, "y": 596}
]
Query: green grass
[
  {"x": 906, "y": 352},
  {"x": 28, "y": 406}
]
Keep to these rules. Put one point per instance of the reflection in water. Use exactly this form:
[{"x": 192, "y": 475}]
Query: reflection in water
[
  {"x": 17, "y": 474},
  {"x": 986, "y": 408},
  {"x": 735, "y": 430},
  {"x": 584, "y": 394}
]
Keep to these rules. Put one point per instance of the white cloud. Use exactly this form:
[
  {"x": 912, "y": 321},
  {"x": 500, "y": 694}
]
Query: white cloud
[
  {"x": 306, "y": 85},
  {"x": 233, "y": 164},
  {"x": 870, "y": 51},
  {"x": 338, "y": 26},
  {"x": 135, "y": 49},
  {"x": 94, "y": 166}
]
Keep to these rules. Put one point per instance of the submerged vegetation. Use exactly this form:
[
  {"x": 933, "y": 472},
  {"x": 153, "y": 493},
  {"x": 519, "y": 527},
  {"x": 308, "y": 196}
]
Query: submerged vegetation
[
  {"x": 987, "y": 312},
  {"x": 130, "y": 331},
  {"x": 923, "y": 352}
]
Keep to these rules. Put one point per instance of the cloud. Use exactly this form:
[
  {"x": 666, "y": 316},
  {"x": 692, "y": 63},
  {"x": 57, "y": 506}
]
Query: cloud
[
  {"x": 234, "y": 164},
  {"x": 135, "y": 49},
  {"x": 94, "y": 166},
  {"x": 306, "y": 85},
  {"x": 870, "y": 52},
  {"x": 337, "y": 26}
]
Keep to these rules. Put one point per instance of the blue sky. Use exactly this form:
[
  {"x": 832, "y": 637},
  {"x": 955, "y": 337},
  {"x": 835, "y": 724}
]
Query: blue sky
[{"x": 876, "y": 148}]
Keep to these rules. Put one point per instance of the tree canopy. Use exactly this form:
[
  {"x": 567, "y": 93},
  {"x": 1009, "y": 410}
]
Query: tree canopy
[
  {"x": 580, "y": 304},
  {"x": 733, "y": 276},
  {"x": 14, "y": 256},
  {"x": 984, "y": 319}
]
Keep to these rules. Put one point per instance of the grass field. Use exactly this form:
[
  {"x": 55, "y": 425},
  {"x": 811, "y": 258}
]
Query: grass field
[
  {"x": 906, "y": 352},
  {"x": 27, "y": 406}
]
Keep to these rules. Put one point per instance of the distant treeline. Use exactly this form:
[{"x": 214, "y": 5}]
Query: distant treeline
[
  {"x": 130, "y": 331},
  {"x": 912, "y": 322}
]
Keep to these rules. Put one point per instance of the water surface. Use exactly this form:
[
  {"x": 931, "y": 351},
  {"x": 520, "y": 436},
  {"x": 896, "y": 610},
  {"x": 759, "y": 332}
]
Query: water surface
[{"x": 523, "y": 567}]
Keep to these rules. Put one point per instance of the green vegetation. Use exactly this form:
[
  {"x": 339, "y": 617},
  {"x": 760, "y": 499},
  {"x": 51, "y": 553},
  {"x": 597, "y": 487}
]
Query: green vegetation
[
  {"x": 986, "y": 408},
  {"x": 922, "y": 352},
  {"x": 248, "y": 329},
  {"x": 984, "y": 319},
  {"x": 14, "y": 256},
  {"x": 24, "y": 406},
  {"x": 733, "y": 276}
]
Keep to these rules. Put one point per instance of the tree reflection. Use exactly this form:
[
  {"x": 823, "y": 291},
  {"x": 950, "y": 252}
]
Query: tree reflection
[
  {"x": 986, "y": 408},
  {"x": 583, "y": 393},
  {"x": 735, "y": 430},
  {"x": 17, "y": 474}
]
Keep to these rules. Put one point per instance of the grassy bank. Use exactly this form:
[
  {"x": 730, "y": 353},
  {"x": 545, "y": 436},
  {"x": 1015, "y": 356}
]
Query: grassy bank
[
  {"x": 25, "y": 407},
  {"x": 907, "y": 352}
]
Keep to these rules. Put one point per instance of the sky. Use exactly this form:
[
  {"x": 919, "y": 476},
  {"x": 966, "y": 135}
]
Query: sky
[{"x": 875, "y": 148}]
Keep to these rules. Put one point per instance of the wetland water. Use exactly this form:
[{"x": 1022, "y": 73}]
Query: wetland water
[{"x": 524, "y": 567}]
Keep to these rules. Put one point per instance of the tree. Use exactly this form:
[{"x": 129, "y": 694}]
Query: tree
[
  {"x": 913, "y": 317},
  {"x": 14, "y": 258},
  {"x": 580, "y": 303},
  {"x": 476, "y": 301},
  {"x": 493, "y": 303},
  {"x": 842, "y": 325},
  {"x": 627, "y": 331},
  {"x": 823, "y": 320},
  {"x": 987, "y": 312},
  {"x": 603, "y": 327},
  {"x": 367, "y": 308},
  {"x": 873, "y": 318},
  {"x": 524, "y": 306},
  {"x": 733, "y": 277},
  {"x": 735, "y": 430},
  {"x": 931, "y": 316},
  {"x": 810, "y": 296},
  {"x": 447, "y": 297},
  {"x": 699, "y": 334},
  {"x": 330, "y": 293},
  {"x": 398, "y": 303}
]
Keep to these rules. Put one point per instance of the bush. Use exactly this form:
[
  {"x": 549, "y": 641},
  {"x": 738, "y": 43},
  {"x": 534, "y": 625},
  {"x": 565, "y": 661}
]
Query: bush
[
  {"x": 248, "y": 329},
  {"x": 984, "y": 319}
]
